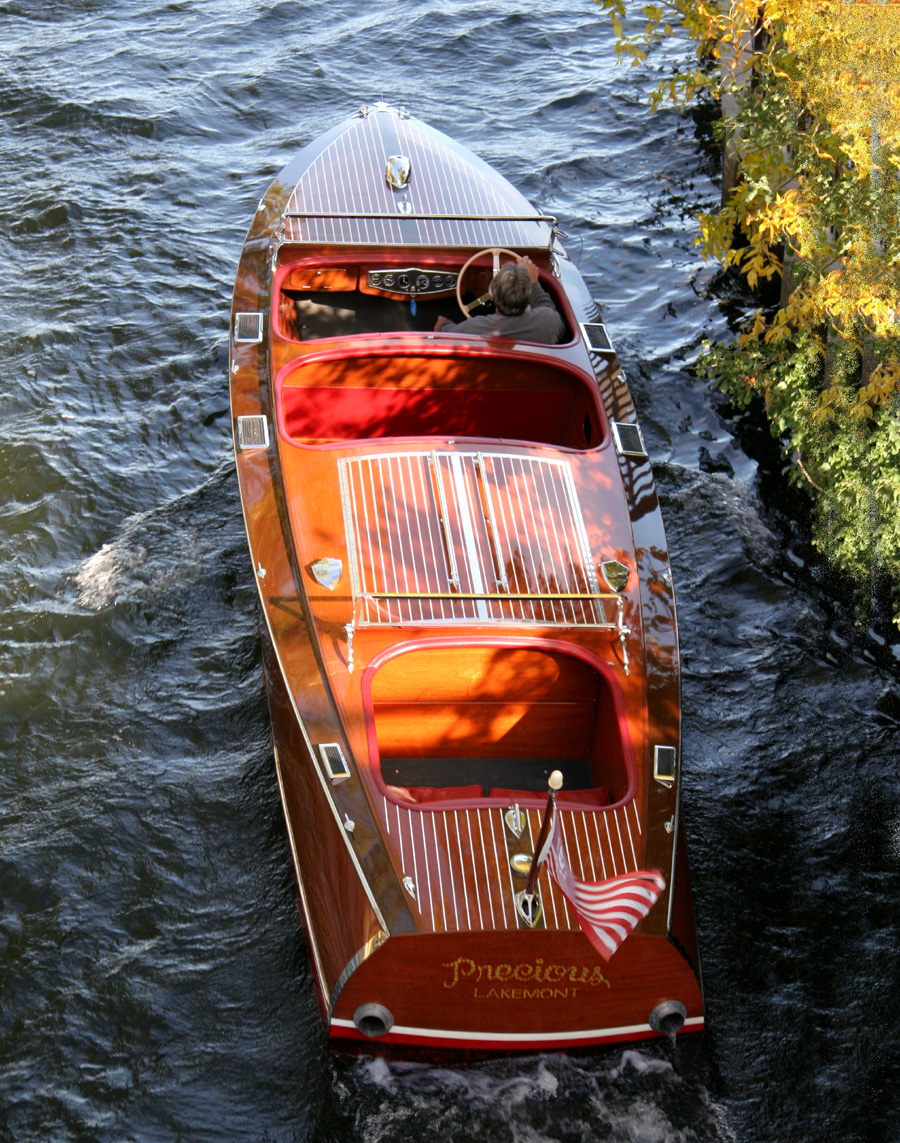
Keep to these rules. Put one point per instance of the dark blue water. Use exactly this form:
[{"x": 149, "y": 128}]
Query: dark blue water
[{"x": 154, "y": 982}]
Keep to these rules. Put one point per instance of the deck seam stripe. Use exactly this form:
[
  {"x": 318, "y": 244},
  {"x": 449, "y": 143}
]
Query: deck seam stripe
[
  {"x": 427, "y": 871},
  {"x": 621, "y": 843},
  {"x": 599, "y": 844},
  {"x": 630, "y": 838},
  {"x": 499, "y": 873},
  {"x": 487, "y": 881},
  {"x": 612, "y": 856},
  {"x": 474, "y": 875},
  {"x": 462, "y": 870},
  {"x": 412, "y": 844}
]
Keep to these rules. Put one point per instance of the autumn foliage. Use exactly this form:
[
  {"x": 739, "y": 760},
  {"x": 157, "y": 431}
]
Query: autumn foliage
[{"x": 810, "y": 93}]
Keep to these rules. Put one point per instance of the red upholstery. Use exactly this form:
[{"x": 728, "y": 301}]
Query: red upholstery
[
  {"x": 568, "y": 799},
  {"x": 354, "y": 413},
  {"x": 418, "y": 795}
]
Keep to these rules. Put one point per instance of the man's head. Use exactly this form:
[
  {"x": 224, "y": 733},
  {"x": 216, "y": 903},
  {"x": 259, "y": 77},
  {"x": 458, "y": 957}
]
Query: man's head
[{"x": 511, "y": 289}]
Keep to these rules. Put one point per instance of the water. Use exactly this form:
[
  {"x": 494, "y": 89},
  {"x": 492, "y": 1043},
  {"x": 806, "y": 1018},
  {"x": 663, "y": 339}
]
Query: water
[{"x": 154, "y": 983}]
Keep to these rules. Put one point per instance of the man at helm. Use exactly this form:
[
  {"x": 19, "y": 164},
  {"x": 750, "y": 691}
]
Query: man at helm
[{"x": 524, "y": 310}]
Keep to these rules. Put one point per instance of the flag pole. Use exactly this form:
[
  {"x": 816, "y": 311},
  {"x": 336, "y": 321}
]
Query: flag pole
[{"x": 555, "y": 782}]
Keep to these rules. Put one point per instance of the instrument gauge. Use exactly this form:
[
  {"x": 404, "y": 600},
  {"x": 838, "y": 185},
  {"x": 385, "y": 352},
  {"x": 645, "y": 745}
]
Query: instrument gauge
[
  {"x": 403, "y": 281},
  {"x": 388, "y": 279},
  {"x": 422, "y": 282}
]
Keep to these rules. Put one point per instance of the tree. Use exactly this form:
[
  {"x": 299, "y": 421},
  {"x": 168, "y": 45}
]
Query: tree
[{"x": 812, "y": 108}]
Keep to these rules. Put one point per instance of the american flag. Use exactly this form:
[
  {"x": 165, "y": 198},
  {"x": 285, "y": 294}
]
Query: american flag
[{"x": 607, "y": 910}]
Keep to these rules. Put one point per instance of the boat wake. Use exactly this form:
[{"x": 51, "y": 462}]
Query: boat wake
[
  {"x": 635, "y": 1096},
  {"x": 158, "y": 551}
]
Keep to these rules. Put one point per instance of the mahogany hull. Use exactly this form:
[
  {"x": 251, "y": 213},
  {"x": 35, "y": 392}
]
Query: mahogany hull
[{"x": 428, "y": 518}]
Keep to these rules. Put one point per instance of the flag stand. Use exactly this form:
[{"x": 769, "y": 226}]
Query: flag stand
[{"x": 528, "y": 901}]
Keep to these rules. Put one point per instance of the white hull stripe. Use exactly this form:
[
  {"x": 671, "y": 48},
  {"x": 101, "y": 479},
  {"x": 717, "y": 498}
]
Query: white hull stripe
[{"x": 692, "y": 1022}]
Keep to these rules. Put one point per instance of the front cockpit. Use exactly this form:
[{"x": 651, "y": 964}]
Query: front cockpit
[{"x": 315, "y": 300}]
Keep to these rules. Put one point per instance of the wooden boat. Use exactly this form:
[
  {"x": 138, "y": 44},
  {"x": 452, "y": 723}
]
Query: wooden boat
[{"x": 464, "y": 585}]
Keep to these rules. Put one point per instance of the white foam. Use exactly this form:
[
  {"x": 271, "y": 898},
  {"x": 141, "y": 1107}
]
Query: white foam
[
  {"x": 103, "y": 576},
  {"x": 644, "y": 1065},
  {"x": 379, "y": 1073},
  {"x": 894, "y": 842}
]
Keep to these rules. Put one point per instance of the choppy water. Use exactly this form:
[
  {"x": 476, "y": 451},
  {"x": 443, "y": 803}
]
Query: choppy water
[{"x": 154, "y": 983}]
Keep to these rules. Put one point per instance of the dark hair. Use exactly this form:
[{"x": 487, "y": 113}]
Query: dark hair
[{"x": 511, "y": 289}]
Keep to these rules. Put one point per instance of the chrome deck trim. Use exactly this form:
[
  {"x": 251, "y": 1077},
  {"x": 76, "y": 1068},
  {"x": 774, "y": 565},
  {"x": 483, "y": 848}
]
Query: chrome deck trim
[{"x": 415, "y": 520}]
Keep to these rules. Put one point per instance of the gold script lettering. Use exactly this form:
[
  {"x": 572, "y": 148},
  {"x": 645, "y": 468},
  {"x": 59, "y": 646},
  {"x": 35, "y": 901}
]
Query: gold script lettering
[
  {"x": 539, "y": 973},
  {"x": 462, "y": 966}
]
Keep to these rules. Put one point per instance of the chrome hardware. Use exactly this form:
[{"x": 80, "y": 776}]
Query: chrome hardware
[
  {"x": 334, "y": 761},
  {"x": 404, "y": 207},
  {"x": 260, "y": 570},
  {"x": 500, "y": 574},
  {"x": 363, "y": 112},
  {"x": 521, "y": 863},
  {"x": 327, "y": 571},
  {"x": 668, "y": 1017},
  {"x": 453, "y": 571},
  {"x": 548, "y": 218},
  {"x": 514, "y": 820},
  {"x": 664, "y": 759},
  {"x": 624, "y": 632},
  {"x": 373, "y": 1020},
  {"x": 410, "y": 886},
  {"x": 402, "y": 113},
  {"x": 248, "y": 328},
  {"x": 596, "y": 337},
  {"x": 670, "y": 824},
  {"x": 351, "y": 626},
  {"x": 528, "y": 906},
  {"x": 397, "y": 172},
  {"x": 615, "y": 574},
  {"x": 629, "y": 439},
  {"x": 411, "y": 280},
  {"x": 349, "y": 824},
  {"x": 253, "y": 432}
]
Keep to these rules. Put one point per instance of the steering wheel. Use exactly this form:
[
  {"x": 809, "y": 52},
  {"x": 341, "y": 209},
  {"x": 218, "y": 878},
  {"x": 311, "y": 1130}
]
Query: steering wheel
[{"x": 496, "y": 251}]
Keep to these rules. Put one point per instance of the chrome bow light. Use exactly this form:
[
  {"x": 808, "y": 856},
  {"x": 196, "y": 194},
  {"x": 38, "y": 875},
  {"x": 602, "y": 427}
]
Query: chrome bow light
[{"x": 398, "y": 171}]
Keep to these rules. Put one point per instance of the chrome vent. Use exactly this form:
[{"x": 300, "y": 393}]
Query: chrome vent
[
  {"x": 253, "y": 432},
  {"x": 334, "y": 761},
  {"x": 664, "y": 764},
  {"x": 248, "y": 327},
  {"x": 596, "y": 336},
  {"x": 628, "y": 438}
]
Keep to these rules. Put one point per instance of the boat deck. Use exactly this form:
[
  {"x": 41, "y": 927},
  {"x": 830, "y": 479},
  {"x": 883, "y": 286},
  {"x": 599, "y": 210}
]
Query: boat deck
[
  {"x": 467, "y": 537},
  {"x": 458, "y": 861}
]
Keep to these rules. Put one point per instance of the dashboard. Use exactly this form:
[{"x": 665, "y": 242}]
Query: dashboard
[{"x": 411, "y": 280}]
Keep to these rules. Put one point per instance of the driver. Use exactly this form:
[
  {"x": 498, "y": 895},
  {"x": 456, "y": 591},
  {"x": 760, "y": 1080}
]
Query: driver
[{"x": 525, "y": 310}]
